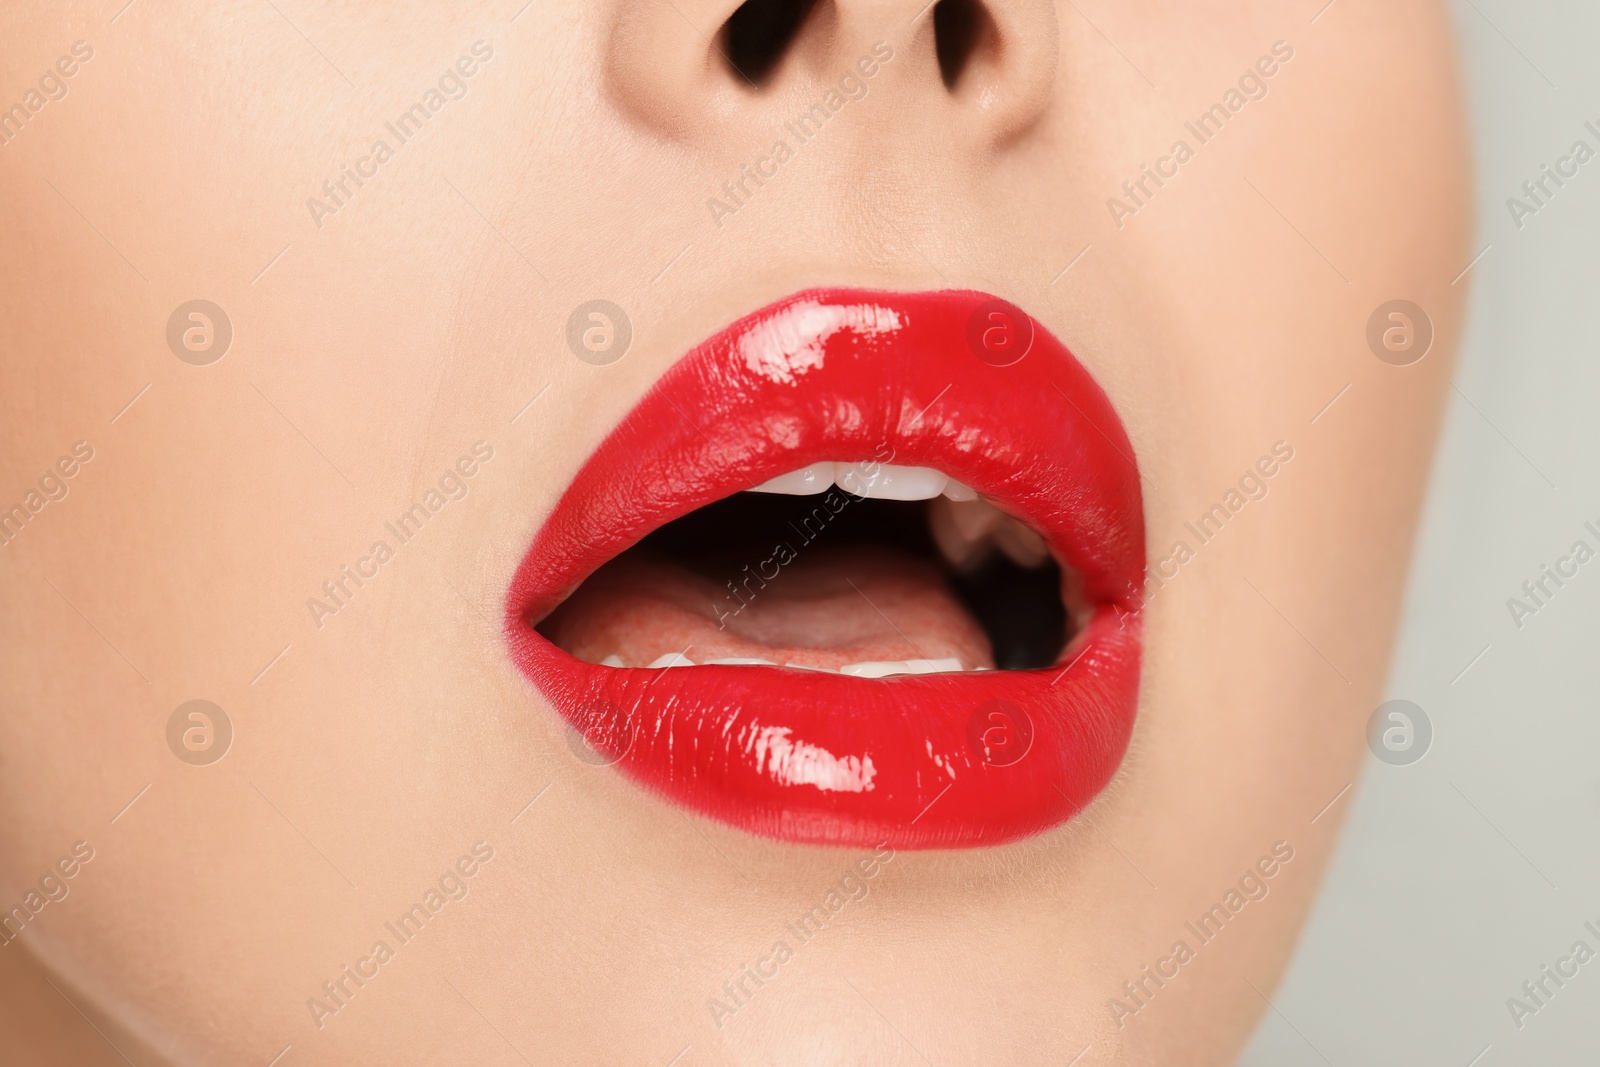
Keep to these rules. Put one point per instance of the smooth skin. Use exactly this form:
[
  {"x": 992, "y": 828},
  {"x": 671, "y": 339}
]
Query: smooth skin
[{"x": 369, "y": 353}]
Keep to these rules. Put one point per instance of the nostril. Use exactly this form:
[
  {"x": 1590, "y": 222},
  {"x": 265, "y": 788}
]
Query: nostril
[
  {"x": 960, "y": 29},
  {"x": 756, "y": 36}
]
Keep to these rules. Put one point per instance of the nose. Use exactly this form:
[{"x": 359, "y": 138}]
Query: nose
[{"x": 966, "y": 74}]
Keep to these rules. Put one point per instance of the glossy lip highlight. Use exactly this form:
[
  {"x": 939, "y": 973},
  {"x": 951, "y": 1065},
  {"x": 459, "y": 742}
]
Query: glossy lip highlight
[{"x": 821, "y": 758}]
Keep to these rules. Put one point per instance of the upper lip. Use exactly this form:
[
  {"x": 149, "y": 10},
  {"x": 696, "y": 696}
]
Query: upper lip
[{"x": 842, "y": 374}]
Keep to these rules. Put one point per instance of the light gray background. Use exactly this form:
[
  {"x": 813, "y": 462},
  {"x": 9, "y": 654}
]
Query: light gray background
[{"x": 1440, "y": 900}]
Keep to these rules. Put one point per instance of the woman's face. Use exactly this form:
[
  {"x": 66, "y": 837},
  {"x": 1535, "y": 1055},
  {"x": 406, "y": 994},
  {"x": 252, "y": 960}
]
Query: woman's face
[{"x": 411, "y": 324}]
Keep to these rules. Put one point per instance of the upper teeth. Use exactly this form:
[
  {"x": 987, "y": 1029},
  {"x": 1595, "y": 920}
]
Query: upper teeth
[
  {"x": 864, "y": 669},
  {"x": 968, "y": 531},
  {"x": 877, "y": 481},
  {"x": 966, "y": 528}
]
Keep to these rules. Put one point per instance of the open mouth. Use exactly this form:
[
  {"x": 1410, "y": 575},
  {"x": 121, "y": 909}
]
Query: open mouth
[{"x": 861, "y": 568}]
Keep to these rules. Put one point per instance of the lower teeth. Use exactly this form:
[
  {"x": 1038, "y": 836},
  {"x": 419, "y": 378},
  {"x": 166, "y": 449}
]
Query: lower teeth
[{"x": 978, "y": 583}]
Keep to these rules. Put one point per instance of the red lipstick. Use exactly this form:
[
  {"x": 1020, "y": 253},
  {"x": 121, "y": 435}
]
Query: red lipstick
[{"x": 956, "y": 381}]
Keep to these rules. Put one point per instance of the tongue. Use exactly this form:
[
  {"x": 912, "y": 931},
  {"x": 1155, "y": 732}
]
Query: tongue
[{"x": 870, "y": 609}]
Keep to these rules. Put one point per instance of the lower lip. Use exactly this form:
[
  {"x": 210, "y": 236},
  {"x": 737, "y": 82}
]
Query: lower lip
[{"x": 954, "y": 760}]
